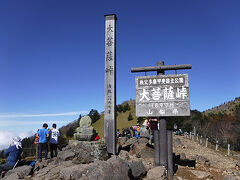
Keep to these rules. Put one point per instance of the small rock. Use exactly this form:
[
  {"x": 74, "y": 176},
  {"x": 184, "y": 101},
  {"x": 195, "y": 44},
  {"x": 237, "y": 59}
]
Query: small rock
[
  {"x": 177, "y": 142},
  {"x": 129, "y": 142},
  {"x": 201, "y": 174},
  {"x": 178, "y": 178},
  {"x": 231, "y": 177},
  {"x": 124, "y": 155},
  {"x": 182, "y": 156},
  {"x": 202, "y": 159},
  {"x": 156, "y": 173},
  {"x": 122, "y": 140}
]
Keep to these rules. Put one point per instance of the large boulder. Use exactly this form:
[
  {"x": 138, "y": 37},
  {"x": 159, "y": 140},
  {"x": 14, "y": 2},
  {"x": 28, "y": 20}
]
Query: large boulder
[
  {"x": 138, "y": 170},
  {"x": 141, "y": 149},
  {"x": 114, "y": 168},
  {"x": 82, "y": 152},
  {"x": 66, "y": 155},
  {"x": 19, "y": 172}
]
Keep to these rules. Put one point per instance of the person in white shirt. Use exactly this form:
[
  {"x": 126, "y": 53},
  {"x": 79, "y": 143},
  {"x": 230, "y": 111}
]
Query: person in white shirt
[{"x": 54, "y": 134}]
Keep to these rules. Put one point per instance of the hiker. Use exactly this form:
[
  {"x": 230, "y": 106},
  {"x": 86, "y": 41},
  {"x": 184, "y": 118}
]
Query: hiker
[
  {"x": 54, "y": 134},
  {"x": 14, "y": 152},
  {"x": 97, "y": 137},
  {"x": 143, "y": 131},
  {"x": 126, "y": 133},
  {"x": 136, "y": 130},
  {"x": 36, "y": 141},
  {"x": 42, "y": 145},
  {"x": 118, "y": 133},
  {"x": 153, "y": 125}
]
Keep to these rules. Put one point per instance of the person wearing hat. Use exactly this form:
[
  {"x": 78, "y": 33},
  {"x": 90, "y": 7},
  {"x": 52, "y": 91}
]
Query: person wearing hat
[
  {"x": 143, "y": 131},
  {"x": 13, "y": 152}
]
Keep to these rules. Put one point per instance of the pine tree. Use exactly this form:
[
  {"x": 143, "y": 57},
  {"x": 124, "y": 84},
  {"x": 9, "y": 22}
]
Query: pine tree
[
  {"x": 94, "y": 115},
  {"x": 130, "y": 117}
]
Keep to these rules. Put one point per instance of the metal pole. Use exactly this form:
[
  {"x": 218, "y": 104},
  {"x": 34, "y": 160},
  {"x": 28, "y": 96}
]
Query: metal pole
[
  {"x": 216, "y": 145},
  {"x": 163, "y": 142},
  {"x": 156, "y": 147},
  {"x": 170, "y": 154},
  {"x": 206, "y": 142}
]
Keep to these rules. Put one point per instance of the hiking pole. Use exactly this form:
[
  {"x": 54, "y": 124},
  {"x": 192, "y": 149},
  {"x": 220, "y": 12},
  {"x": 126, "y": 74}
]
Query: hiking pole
[{"x": 15, "y": 164}]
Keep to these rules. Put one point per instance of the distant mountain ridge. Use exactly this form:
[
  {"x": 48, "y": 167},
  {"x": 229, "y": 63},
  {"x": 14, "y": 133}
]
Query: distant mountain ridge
[{"x": 228, "y": 107}]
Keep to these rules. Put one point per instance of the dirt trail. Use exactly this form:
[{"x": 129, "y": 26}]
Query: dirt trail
[{"x": 209, "y": 164}]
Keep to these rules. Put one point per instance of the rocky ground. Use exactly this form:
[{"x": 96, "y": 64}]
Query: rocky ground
[
  {"x": 90, "y": 161},
  {"x": 209, "y": 164}
]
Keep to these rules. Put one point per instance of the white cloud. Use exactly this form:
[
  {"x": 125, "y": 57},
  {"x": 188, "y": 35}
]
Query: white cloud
[
  {"x": 14, "y": 115},
  {"x": 6, "y": 138},
  {"x": 4, "y": 123}
]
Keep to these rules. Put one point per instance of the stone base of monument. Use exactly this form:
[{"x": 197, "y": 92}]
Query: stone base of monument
[
  {"x": 88, "y": 151},
  {"x": 84, "y": 134}
]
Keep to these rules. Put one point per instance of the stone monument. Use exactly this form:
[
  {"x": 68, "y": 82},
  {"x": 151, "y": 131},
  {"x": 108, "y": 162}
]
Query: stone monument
[{"x": 85, "y": 132}]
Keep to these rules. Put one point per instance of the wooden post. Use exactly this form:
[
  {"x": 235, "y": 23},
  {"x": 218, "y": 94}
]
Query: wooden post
[
  {"x": 156, "y": 147},
  {"x": 206, "y": 142},
  {"x": 228, "y": 152},
  {"x": 110, "y": 83},
  {"x": 197, "y": 137},
  {"x": 162, "y": 130},
  {"x": 216, "y": 145},
  {"x": 201, "y": 140},
  {"x": 163, "y": 142},
  {"x": 170, "y": 154}
]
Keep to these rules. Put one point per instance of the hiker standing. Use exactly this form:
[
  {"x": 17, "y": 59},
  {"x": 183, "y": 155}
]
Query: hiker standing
[
  {"x": 14, "y": 152},
  {"x": 36, "y": 141},
  {"x": 42, "y": 145},
  {"x": 54, "y": 134}
]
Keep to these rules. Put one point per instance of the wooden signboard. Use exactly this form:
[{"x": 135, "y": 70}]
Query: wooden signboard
[
  {"x": 110, "y": 83},
  {"x": 162, "y": 95}
]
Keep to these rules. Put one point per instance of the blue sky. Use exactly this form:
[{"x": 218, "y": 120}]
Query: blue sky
[{"x": 52, "y": 54}]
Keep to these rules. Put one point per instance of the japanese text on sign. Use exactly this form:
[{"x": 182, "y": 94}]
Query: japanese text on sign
[{"x": 165, "y": 95}]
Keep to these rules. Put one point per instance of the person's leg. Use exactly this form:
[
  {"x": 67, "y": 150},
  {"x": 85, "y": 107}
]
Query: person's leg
[
  {"x": 46, "y": 150},
  {"x": 40, "y": 147},
  {"x": 6, "y": 167},
  {"x": 51, "y": 150},
  {"x": 56, "y": 150}
]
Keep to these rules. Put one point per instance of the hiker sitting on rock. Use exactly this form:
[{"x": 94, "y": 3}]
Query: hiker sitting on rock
[{"x": 14, "y": 152}]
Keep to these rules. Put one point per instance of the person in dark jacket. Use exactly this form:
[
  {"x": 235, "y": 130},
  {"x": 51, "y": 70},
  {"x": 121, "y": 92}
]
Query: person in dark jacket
[{"x": 14, "y": 152}]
